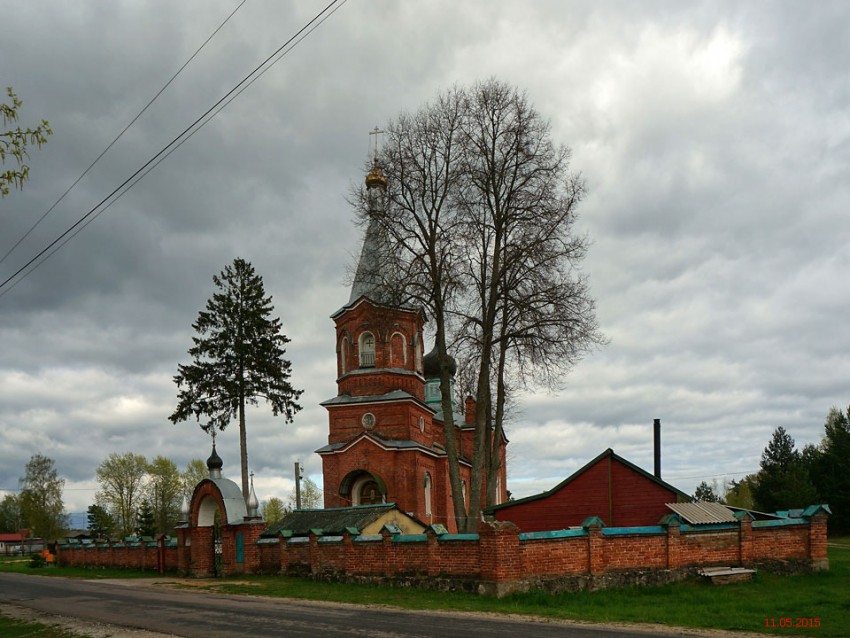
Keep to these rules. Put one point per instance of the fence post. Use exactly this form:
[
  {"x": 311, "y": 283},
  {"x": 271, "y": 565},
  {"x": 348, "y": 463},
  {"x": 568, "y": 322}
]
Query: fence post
[
  {"x": 595, "y": 545},
  {"x": 501, "y": 565},
  {"x": 746, "y": 552}
]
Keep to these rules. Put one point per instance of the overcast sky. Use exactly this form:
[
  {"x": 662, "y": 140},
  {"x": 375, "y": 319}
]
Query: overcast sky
[{"x": 713, "y": 138}]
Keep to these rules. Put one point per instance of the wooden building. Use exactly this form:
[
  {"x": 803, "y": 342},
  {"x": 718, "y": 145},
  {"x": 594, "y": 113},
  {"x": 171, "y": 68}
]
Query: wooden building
[{"x": 609, "y": 487}]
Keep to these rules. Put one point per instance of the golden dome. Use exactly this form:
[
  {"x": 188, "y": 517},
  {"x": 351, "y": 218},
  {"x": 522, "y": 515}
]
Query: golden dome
[{"x": 376, "y": 177}]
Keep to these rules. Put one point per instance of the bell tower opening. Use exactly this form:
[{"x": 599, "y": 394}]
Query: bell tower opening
[{"x": 366, "y": 350}]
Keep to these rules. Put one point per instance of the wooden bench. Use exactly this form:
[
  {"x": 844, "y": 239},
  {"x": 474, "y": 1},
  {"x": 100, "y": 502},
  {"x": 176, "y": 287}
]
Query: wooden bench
[{"x": 726, "y": 575}]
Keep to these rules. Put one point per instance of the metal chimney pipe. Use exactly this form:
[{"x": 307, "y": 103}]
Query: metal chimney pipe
[
  {"x": 299, "y": 472},
  {"x": 656, "y": 437}
]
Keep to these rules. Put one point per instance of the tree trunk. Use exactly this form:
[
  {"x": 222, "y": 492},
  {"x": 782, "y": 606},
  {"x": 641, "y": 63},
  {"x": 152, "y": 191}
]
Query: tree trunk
[
  {"x": 243, "y": 439},
  {"x": 243, "y": 448},
  {"x": 494, "y": 447},
  {"x": 449, "y": 429}
]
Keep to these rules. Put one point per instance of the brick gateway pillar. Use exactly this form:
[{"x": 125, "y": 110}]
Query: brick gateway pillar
[{"x": 220, "y": 531}]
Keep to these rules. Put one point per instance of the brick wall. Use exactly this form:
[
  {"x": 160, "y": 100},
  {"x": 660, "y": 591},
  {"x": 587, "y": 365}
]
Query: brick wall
[
  {"x": 786, "y": 542},
  {"x": 500, "y": 559},
  {"x": 154, "y": 558}
]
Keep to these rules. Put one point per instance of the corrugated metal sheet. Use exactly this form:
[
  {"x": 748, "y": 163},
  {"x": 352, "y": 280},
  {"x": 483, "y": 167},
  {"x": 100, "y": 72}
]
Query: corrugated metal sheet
[{"x": 703, "y": 513}]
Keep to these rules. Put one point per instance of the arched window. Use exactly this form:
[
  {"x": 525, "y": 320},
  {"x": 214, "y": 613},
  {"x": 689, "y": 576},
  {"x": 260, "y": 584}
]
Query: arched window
[
  {"x": 343, "y": 355},
  {"x": 366, "y": 348},
  {"x": 498, "y": 489},
  {"x": 366, "y": 491},
  {"x": 398, "y": 351},
  {"x": 427, "y": 494},
  {"x": 417, "y": 353}
]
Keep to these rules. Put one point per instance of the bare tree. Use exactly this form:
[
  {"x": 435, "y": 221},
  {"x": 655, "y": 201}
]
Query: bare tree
[
  {"x": 479, "y": 212},
  {"x": 529, "y": 314},
  {"x": 420, "y": 223}
]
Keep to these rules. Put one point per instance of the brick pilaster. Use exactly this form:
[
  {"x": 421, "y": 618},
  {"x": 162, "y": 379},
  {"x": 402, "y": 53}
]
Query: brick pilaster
[
  {"x": 595, "y": 545},
  {"x": 501, "y": 568},
  {"x": 674, "y": 544},
  {"x": 817, "y": 541},
  {"x": 746, "y": 552},
  {"x": 314, "y": 554},
  {"x": 284, "y": 554},
  {"x": 349, "y": 559},
  {"x": 433, "y": 548}
]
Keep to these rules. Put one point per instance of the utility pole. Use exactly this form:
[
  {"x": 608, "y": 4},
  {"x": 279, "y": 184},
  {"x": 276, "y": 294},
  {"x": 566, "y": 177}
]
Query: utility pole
[{"x": 299, "y": 474}]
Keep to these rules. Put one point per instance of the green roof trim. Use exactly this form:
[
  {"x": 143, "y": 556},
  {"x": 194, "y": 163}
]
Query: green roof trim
[
  {"x": 410, "y": 538},
  {"x": 811, "y": 510},
  {"x": 297, "y": 540},
  {"x": 592, "y": 521},
  {"x": 645, "y": 530},
  {"x": 460, "y": 537},
  {"x": 549, "y": 535},
  {"x": 670, "y": 519}
]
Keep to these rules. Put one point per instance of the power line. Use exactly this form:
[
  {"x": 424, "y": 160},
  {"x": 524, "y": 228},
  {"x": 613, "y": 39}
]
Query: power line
[
  {"x": 199, "y": 127},
  {"x": 119, "y": 136},
  {"x": 178, "y": 141}
]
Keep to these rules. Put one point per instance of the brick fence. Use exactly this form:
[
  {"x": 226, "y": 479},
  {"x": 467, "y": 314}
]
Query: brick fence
[
  {"x": 159, "y": 555},
  {"x": 497, "y": 560}
]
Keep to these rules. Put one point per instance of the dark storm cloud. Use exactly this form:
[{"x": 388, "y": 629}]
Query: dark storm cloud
[{"x": 714, "y": 142}]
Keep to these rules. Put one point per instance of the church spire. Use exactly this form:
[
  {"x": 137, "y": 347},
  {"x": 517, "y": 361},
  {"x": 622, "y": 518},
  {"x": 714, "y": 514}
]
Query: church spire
[{"x": 369, "y": 277}]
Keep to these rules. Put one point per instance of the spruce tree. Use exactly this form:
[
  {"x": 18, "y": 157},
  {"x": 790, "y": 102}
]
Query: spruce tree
[
  {"x": 783, "y": 481},
  {"x": 707, "y": 493},
  {"x": 828, "y": 466},
  {"x": 145, "y": 520},
  {"x": 100, "y": 522},
  {"x": 237, "y": 357}
]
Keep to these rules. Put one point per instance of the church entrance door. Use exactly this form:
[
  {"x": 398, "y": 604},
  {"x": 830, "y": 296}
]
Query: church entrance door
[
  {"x": 217, "y": 548},
  {"x": 370, "y": 493}
]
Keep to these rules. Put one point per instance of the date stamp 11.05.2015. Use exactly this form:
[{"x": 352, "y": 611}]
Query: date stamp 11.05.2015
[{"x": 791, "y": 622}]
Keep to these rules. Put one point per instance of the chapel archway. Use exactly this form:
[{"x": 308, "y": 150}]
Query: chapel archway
[
  {"x": 362, "y": 487},
  {"x": 216, "y": 511}
]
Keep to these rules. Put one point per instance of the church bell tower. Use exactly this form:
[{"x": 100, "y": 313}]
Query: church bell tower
[{"x": 386, "y": 440}]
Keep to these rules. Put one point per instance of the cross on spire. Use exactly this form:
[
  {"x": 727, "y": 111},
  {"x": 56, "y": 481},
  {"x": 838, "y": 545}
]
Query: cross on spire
[{"x": 376, "y": 132}]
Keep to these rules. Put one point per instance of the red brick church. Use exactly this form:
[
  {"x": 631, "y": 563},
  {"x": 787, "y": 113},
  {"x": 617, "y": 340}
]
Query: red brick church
[{"x": 386, "y": 442}]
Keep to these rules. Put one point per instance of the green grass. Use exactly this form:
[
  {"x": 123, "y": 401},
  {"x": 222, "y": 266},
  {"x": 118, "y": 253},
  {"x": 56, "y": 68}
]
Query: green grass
[
  {"x": 12, "y": 628},
  {"x": 738, "y": 607},
  {"x": 20, "y": 565}
]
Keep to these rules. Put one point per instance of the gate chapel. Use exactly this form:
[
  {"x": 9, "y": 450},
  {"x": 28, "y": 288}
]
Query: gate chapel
[{"x": 386, "y": 442}]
